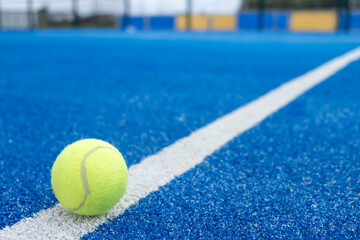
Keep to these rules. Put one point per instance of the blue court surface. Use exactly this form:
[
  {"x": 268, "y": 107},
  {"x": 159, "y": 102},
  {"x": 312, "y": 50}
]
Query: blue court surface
[{"x": 295, "y": 175}]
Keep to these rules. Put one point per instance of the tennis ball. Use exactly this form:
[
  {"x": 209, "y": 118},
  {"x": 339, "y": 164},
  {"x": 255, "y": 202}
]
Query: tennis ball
[{"x": 89, "y": 177}]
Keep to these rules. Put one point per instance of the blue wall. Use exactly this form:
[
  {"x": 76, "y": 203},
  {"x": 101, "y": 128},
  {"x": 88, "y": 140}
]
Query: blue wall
[
  {"x": 248, "y": 20},
  {"x": 354, "y": 21},
  {"x": 282, "y": 20},
  {"x": 272, "y": 20},
  {"x": 163, "y": 22}
]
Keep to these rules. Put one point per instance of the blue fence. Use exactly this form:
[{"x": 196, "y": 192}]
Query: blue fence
[
  {"x": 155, "y": 22},
  {"x": 271, "y": 20},
  {"x": 136, "y": 22},
  {"x": 352, "y": 21},
  {"x": 162, "y": 23}
]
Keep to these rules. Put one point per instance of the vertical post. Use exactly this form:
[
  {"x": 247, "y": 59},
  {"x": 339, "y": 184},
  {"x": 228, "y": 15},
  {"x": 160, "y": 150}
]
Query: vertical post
[
  {"x": 95, "y": 14},
  {"x": 0, "y": 16},
  {"x": 126, "y": 21},
  {"x": 188, "y": 14},
  {"x": 345, "y": 10},
  {"x": 76, "y": 19},
  {"x": 339, "y": 4},
  {"x": 261, "y": 8},
  {"x": 348, "y": 15},
  {"x": 30, "y": 14}
]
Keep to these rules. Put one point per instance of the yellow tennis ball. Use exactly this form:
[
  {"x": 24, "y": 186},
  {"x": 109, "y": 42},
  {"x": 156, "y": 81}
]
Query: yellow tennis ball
[{"x": 89, "y": 177}]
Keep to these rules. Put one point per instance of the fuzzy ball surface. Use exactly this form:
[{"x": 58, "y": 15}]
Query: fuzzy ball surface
[{"x": 89, "y": 177}]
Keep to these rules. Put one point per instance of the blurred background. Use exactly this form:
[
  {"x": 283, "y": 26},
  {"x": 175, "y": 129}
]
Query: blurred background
[{"x": 200, "y": 15}]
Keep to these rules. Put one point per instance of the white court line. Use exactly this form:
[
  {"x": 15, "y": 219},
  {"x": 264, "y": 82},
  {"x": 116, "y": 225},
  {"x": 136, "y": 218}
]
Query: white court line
[{"x": 161, "y": 168}]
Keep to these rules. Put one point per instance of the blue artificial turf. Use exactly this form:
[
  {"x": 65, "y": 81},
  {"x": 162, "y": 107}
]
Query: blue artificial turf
[
  {"x": 294, "y": 176},
  {"x": 140, "y": 92}
]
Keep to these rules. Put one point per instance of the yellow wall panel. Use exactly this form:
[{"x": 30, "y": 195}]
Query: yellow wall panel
[
  {"x": 198, "y": 22},
  {"x": 223, "y": 22},
  {"x": 313, "y": 21},
  {"x": 181, "y": 22}
]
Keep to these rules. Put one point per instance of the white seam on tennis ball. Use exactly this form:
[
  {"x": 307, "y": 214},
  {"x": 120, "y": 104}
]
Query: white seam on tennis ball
[{"x": 83, "y": 176}]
